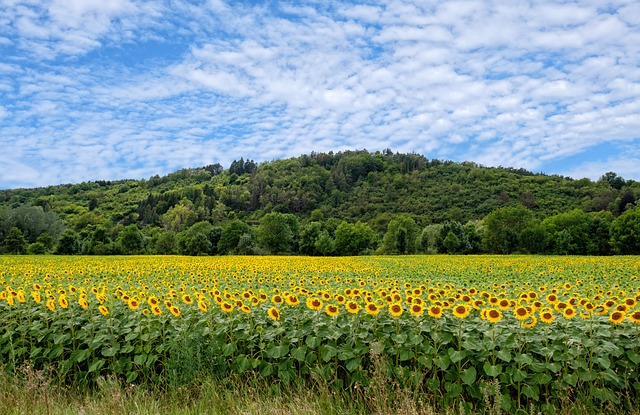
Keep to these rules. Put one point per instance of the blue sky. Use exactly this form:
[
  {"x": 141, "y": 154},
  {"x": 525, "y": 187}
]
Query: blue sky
[{"x": 94, "y": 89}]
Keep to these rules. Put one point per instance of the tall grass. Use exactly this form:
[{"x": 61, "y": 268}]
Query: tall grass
[{"x": 33, "y": 392}]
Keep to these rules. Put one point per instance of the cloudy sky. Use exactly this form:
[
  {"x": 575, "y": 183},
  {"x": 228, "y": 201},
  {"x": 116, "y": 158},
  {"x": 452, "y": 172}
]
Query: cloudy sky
[{"x": 96, "y": 89}]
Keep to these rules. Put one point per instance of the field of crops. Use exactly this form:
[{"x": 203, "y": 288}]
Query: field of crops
[{"x": 537, "y": 329}]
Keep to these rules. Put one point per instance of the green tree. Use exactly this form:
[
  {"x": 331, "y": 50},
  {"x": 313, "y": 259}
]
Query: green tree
[
  {"x": 401, "y": 236},
  {"x": 231, "y": 234},
  {"x": 200, "y": 239},
  {"x": 325, "y": 244},
  {"x": 309, "y": 235},
  {"x": 15, "y": 243},
  {"x": 625, "y": 233},
  {"x": 36, "y": 248},
  {"x": 167, "y": 243},
  {"x": 68, "y": 244},
  {"x": 277, "y": 232},
  {"x": 354, "y": 239},
  {"x": 570, "y": 233},
  {"x": 502, "y": 229},
  {"x": 131, "y": 240}
]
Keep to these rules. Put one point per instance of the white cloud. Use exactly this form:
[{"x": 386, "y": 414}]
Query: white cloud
[{"x": 522, "y": 84}]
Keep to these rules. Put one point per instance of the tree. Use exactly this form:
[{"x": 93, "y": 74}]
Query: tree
[
  {"x": 131, "y": 240},
  {"x": 453, "y": 239},
  {"x": 200, "y": 239},
  {"x": 231, "y": 234},
  {"x": 68, "y": 244},
  {"x": 15, "y": 243},
  {"x": 309, "y": 235},
  {"x": 325, "y": 244},
  {"x": 625, "y": 233},
  {"x": 570, "y": 233},
  {"x": 167, "y": 243},
  {"x": 277, "y": 232},
  {"x": 502, "y": 229},
  {"x": 429, "y": 238},
  {"x": 401, "y": 236},
  {"x": 354, "y": 239}
]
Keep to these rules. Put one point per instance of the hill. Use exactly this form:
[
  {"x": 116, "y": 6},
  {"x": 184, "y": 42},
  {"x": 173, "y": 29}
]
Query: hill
[{"x": 327, "y": 188}]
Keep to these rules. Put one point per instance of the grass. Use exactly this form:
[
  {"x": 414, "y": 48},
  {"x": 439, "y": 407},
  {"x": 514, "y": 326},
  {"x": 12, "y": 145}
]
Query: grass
[{"x": 32, "y": 392}]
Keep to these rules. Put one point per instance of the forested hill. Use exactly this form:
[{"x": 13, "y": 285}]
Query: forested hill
[{"x": 325, "y": 188}]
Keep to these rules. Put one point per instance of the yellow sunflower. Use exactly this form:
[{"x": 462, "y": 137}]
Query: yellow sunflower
[
  {"x": 493, "y": 315},
  {"x": 435, "y": 311},
  {"x": 396, "y": 309},
  {"x": 617, "y": 317},
  {"x": 274, "y": 314},
  {"x": 103, "y": 310},
  {"x": 314, "y": 303},
  {"x": 352, "y": 307},
  {"x": 175, "y": 311},
  {"x": 416, "y": 309},
  {"x": 332, "y": 310},
  {"x": 226, "y": 307},
  {"x": 546, "y": 316},
  {"x": 461, "y": 311},
  {"x": 521, "y": 313},
  {"x": 372, "y": 309},
  {"x": 635, "y": 317}
]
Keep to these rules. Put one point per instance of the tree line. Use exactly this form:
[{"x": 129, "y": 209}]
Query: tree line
[{"x": 348, "y": 203}]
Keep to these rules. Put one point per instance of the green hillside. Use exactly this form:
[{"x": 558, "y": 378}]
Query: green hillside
[{"x": 314, "y": 194}]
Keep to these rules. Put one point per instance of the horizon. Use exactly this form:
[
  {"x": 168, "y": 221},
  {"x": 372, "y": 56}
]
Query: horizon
[{"x": 130, "y": 89}]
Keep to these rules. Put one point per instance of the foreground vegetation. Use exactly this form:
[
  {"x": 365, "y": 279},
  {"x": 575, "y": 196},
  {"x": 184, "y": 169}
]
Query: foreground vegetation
[
  {"x": 347, "y": 203},
  {"x": 531, "y": 332}
]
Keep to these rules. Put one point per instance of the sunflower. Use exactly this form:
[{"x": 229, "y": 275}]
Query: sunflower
[
  {"x": 396, "y": 309},
  {"x": 175, "y": 311},
  {"x": 461, "y": 310},
  {"x": 546, "y": 316},
  {"x": 504, "y": 304},
  {"x": 530, "y": 322},
  {"x": 521, "y": 313},
  {"x": 83, "y": 302},
  {"x": 226, "y": 307},
  {"x": 277, "y": 299},
  {"x": 332, "y": 310},
  {"x": 64, "y": 303},
  {"x": 292, "y": 300},
  {"x": 133, "y": 304},
  {"x": 617, "y": 317},
  {"x": 493, "y": 315},
  {"x": 202, "y": 306},
  {"x": 569, "y": 312},
  {"x": 36, "y": 296},
  {"x": 187, "y": 299},
  {"x": 372, "y": 309},
  {"x": 156, "y": 310},
  {"x": 352, "y": 307},
  {"x": 552, "y": 299},
  {"x": 103, "y": 310},
  {"x": 341, "y": 299},
  {"x": 314, "y": 303},
  {"x": 51, "y": 305},
  {"x": 435, "y": 311},
  {"x": 274, "y": 314},
  {"x": 635, "y": 317},
  {"x": 416, "y": 309}
]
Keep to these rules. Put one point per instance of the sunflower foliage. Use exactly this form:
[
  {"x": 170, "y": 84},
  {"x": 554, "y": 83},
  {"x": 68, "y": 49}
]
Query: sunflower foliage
[{"x": 527, "y": 331}]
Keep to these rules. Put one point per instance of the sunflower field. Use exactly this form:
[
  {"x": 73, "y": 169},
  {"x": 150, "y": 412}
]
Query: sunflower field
[{"x": 538, "y": 329}]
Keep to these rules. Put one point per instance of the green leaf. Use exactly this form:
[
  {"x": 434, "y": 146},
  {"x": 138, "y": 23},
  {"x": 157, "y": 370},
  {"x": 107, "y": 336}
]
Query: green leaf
[
  {"x": 492, "y": 370},
  {"x": 132, "y": 376},
  {"x": 353, "y": 364},
  {"x": 442, "y": 361},
  {"x": 531, "y": 391},
  {"x": 468, "y": 375},
  {"x": 453, "y": 389},
  {"x": 633, "y": 356},
  {"x": 229, "y": 349},
  {"x": 570, "y": 378},
  {"x": 327, "y": 352},
  {"x": 96, "y": 365},
  {"x": 312, "y": 342},
  {"x": 504, "y": 355},
  {"x": 139, "y": 359},
  {"x": 299, "y": 353},
  {"x": 523, "y": 359},
  {"x": 604, "y": 362},
  {"x": 542, "y": 378},
  {"x": 456, "y": 355}
]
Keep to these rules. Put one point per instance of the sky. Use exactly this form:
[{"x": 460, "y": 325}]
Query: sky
[{"x": 127, "y": 89}]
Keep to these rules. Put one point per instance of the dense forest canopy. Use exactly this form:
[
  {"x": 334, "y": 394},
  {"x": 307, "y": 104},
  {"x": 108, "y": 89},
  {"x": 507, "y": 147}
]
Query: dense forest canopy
[{"x": 344, "y": 203}]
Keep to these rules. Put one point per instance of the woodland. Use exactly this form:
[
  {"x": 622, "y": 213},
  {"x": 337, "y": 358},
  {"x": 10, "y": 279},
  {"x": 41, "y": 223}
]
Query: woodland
[{"x": 343, "y": 203}]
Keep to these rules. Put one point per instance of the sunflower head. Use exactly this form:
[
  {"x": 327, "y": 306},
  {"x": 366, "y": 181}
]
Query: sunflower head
[
  {"x": 493, "y": 315},
  {"x": 461, "y": 311},
  {"x": 352, "y": 307},
  {"x": 372, "y": 309},
  {"x": 617, "y": 317},
  {"x": 274, "y": 314},
  {"x": 435, "y": 311},
  {"x": 395, "y": 309},
  {"x": 332, "y": 310}
]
